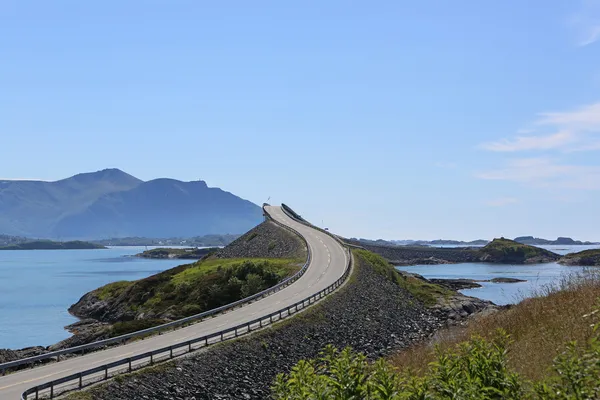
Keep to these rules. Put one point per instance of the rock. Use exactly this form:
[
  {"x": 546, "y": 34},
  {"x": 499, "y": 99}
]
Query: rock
[
  {"x": 505, "y": 280},
  {"x": 456, "y": 284}
]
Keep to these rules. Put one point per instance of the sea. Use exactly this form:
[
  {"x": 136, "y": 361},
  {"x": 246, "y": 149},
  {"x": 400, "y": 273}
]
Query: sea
[
  {"x": 537, "y": 276},
  {"x": 38, "y": 286}
]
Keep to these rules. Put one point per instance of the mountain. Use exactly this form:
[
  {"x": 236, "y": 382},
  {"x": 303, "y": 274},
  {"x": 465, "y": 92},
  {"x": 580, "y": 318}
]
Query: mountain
[
  {"x": 111, "y": 203},
  {"x": 564, "y": 241}
]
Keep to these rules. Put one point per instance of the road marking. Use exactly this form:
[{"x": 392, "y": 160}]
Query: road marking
[
  {"x": 119, "y": 356},
  {"x": 35, "y": 379}
]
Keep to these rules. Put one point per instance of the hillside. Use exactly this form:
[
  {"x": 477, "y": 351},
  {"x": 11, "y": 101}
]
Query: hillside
[
  {"x": 32, "y": 208},
  {"x": 506, "y": 251},
  {"x": 111, "y": 203},
  {"x": 587, "y": 258}
]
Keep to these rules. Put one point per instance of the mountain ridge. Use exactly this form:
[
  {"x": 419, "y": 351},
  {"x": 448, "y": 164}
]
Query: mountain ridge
[{"x": 112, "y": 203}]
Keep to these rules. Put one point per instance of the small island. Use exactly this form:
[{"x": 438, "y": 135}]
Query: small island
[
  {"x": 52, "y": 245},
  {"x": 182, "y": 254},
  {"x": 506, "y": 251},
  {"x": 587, "y": 258},
  {"x": 465, "y": 283}
]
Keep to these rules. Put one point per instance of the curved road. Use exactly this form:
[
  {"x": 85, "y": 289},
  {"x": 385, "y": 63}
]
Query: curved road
[{"x": 328, "y": 263}]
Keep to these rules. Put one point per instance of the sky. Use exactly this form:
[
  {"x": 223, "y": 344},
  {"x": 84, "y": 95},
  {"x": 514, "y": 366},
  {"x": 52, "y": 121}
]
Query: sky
[{"x": 382, "y": 119}]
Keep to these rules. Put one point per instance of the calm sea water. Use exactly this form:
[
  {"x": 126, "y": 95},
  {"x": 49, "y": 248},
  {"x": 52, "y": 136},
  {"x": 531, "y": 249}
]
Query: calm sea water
[
  {"x": 37, "y": 287},
  {"x": 537, "y": 275}
]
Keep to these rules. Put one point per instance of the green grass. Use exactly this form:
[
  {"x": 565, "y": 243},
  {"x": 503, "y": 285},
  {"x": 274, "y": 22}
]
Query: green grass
[
  {"x": 427, "y": 293},
  {"x": 193, "y": 288},
  {"x": 282, "y": 267},
  {"x": 112, "y": 289}
]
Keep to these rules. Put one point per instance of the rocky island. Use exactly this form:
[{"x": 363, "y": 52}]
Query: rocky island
[
  {"x": 501, "y": 251},
  {"x": 587, "y": 258}
]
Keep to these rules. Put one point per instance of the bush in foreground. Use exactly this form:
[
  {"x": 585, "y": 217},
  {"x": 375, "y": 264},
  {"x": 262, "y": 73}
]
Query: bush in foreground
[{"x": 477, "y": 369}]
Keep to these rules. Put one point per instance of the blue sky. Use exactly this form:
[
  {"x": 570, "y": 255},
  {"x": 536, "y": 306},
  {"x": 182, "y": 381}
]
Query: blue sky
[{"x": 412, "y": 119}]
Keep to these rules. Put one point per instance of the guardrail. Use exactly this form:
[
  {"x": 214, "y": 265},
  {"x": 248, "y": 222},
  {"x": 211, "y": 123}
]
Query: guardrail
[
  {"x": 180, "y": 322},
  {"x": 106, "y": 371}
]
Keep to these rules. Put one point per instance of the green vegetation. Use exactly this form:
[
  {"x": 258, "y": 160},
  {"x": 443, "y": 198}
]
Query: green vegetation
[
  {"x": 539, "y": 327},
  {"x": 546, "y": 347},
  {"x": 508, "y": 251},
  {"x": 426, "y": 292},
  {"x": 476, "y": 369},
  {"x": 193, "y": 288},
  {"x": 585, "y": 258},
  {"x": 51, "y": 245},
  {"x": 125, "y": 327}
]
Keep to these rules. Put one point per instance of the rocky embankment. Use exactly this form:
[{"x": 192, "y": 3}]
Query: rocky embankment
[
  {"x": 371, "y": 313},
  {"x": 267, "y": 240},
  {"x": 500, "y": 251},
  {"x": 587, "y": 258}
]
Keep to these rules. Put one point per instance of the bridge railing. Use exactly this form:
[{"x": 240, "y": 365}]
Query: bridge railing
[
  {"x": 94, "y": 375},
  {"x": 170, "y": 325}
]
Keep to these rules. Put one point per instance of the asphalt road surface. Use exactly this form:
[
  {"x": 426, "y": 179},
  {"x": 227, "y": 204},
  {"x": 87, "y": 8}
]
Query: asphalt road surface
[{"x": 328, "y": 263}]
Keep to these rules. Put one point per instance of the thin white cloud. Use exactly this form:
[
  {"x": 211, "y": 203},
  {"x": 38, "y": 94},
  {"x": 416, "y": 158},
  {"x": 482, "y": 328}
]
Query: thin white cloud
[
  {"x": 585, "y": 23},
  {"x": 520, "y": 143},
  {"x": 567, "y": 131},
  {"x": 546, "y": 172},
  {"x": 503, "y": 201}
]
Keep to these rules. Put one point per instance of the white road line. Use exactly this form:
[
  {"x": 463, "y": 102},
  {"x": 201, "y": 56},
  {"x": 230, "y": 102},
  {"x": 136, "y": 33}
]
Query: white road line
[{"x": 35, "y": 379}]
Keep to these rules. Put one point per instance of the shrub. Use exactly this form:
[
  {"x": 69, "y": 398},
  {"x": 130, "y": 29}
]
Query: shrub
[{"x": 476, "y": 369}]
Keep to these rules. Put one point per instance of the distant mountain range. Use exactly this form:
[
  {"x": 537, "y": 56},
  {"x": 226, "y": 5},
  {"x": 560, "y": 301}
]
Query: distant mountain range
[
  {"x": 113, "y": 204},
  {"x": 567, "y": 241},
  {"x": 530, "y": 240}
]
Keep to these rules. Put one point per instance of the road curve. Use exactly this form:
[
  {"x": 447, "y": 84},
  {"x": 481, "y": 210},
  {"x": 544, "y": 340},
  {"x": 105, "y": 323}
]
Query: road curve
[{"x": 328, "y": 263}]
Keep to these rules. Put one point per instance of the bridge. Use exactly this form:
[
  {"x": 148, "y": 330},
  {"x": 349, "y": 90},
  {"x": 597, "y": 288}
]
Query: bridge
[{"x": 328, "y": 264}]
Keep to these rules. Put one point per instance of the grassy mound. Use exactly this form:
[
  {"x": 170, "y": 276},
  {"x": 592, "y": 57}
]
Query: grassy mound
[
  {"x": 584, "y": 258},
  {"x": 510, "y": 252},
  {"x": 185, "y": 290}
]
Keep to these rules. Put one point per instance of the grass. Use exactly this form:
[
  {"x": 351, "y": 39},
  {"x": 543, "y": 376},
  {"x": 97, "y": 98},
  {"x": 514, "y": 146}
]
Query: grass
[
  {"x": 112, "y": 290},
  {"x": 282, "y": 267},
  {"x": 428, "y": 293},
  {"x": 193, "y": 288},
  {"x": 586, "y": 257},
  {"x": 539, "y": 327}
]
